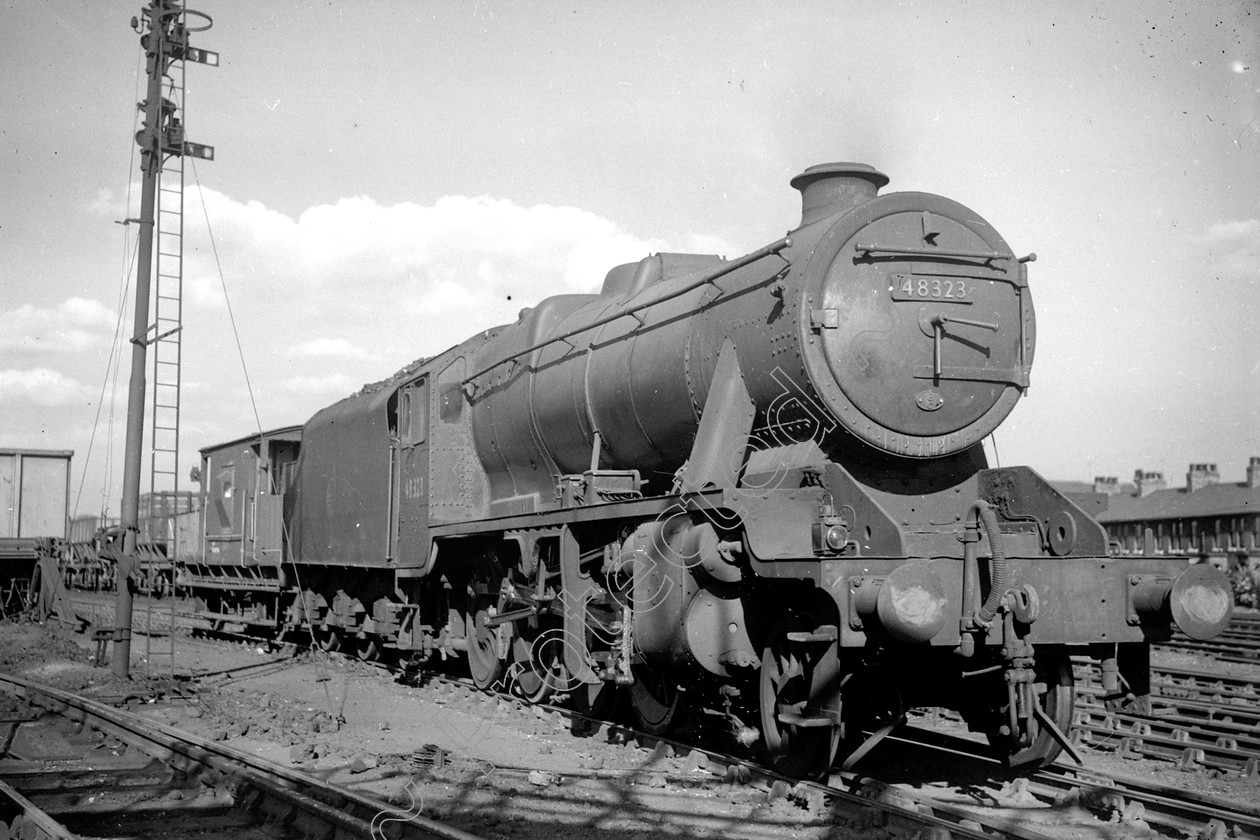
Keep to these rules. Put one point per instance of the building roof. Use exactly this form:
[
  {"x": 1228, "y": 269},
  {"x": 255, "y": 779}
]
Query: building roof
[
  {"x": 1073, "y": 488},
  {"x": 1178, "y": 503},
  {"x": 282, "y": 433}
]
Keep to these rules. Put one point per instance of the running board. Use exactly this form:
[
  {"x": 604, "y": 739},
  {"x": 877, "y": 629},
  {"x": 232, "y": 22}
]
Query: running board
[
  {"x": 825, "y": 633},
  {"x": 793, "y": 719}
]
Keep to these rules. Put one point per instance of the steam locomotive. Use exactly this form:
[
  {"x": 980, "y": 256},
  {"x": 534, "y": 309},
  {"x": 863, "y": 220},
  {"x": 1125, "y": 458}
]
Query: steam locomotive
[{"x": 749, "y": 486}]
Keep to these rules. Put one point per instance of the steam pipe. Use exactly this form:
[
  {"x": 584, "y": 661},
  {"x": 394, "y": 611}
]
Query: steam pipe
[
  {"x": 999, "y": 571},
  {"x": 971, "y": 583}
]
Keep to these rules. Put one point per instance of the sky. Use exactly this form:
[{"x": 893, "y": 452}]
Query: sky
[{"x": 391, "y": 177}]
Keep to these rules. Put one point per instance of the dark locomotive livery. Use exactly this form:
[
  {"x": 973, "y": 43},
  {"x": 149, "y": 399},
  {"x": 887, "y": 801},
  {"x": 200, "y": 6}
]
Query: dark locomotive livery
[{"x": 754, "y": 487}]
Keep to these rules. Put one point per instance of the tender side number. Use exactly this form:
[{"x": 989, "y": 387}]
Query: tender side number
[{"x": 910, "y": 287}]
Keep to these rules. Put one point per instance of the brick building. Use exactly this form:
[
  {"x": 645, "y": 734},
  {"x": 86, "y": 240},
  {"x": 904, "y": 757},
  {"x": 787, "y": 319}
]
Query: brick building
[{"x": 1204, "y": 519}]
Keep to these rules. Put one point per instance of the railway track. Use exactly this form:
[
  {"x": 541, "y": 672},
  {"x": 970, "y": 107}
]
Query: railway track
[
  {"x": 163, "y": 774},
  {"x": 1033, "y": 807},
  {"x": 1127, "y": 799},
  {"x": 1093, "y": 794},
  {"x": 97, "y": 769},
  {"x": 1197, "y": 718},
  {"x": 1134, "y": 801},
  {"x": 1225, "y": 748},
  {"x": 1112, "y": 798},
  {"x": 19, "y": 817},
  {"x": 224, "y": 789},
  {"x": 1240, "y": 643}
]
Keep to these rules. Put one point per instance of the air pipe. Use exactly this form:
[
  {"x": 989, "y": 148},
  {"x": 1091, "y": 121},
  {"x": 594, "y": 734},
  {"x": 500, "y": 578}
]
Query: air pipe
[{"x": 999, "y": 571}]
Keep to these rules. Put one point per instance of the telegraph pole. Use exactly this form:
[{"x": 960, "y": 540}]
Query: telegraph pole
[{"x": 163, "y": 27}]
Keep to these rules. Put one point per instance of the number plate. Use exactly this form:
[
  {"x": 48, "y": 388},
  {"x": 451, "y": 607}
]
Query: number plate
[{"x": 923, "y": 287}]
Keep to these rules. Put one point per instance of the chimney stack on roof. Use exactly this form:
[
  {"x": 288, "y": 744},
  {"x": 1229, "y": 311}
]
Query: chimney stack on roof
[
  {"x": 1200, "y": 476},
  {"x": 1253, "y": 473},
  {"x": 1108, "y": 484},
  {"x": 1148, "y": 482}
]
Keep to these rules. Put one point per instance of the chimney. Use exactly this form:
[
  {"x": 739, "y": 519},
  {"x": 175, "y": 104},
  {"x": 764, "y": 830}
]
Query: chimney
[
  {"x": 1253, "y": 473},
  {"x": 1108, "y": 484},
  {"x": 1148, "y": 482},
  {"x": 1200, "y": 476},
  {"x": 831, "y": 188}
]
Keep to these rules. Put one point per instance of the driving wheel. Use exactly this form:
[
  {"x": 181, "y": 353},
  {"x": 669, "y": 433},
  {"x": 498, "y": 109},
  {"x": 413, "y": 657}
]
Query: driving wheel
[
  {"x": 537, "y": 669},
  {"x": 656, "y": 700},
  {"x": 484, "y": 665},
  {"x": 1033, "y": 744},
  {"x": 798, "y": 725}
]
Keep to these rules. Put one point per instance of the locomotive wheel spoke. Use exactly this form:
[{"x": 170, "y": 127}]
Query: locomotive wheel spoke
[
  {"x": 332, "y": 641},
  {"x": 656, "y": 700},
  {"x": 596, "y": 700},
  {"x": 536, "y": 667},
  {"x": 484, "y": 665},
  {"x": 368, "y": 650},
  {"x": 536, "y": 671},
  {"x": 786, "y": 684},
  {"x": 790, "y": 670}
]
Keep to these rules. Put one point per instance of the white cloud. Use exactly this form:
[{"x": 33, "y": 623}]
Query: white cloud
[
  {"x": 41, "y": 388},
  {"x": 699, "y": 243},
  {"x": 337, "y": 348},
  {"x": 1232, "y": 248},
  {"x": 1240, "y": 229},
  {"x": 357, "y": 246},
  {"x": 368, "y": 287},
  {"x": 443, "y": 296},
  {"x": 336, "y": 385},
  {"x": 73, "y": 326},
  {"x": 343, "y": 294}
]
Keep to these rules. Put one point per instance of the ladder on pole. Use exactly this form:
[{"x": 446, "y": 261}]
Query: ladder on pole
[
  {"x": 166, "y": 339},
  {"x": 164, "y": 27}
]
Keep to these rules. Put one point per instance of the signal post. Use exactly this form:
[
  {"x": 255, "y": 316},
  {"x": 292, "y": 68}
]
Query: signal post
[{"x": 164, "y": 27}]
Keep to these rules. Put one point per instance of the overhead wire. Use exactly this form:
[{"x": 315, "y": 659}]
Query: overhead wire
[
  {"x": 321, "y": 674},
  {"x": 111, "y": 367},
  {"x": 115, "y": 352},
  {"x": 218, "y": 264}
]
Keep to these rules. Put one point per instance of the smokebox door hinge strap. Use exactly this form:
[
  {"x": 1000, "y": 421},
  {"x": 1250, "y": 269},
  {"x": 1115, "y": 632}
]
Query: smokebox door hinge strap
[{"x": 824, "y": 319}]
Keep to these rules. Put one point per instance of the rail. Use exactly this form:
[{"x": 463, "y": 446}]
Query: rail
[{"x": 266, "y": 787}]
